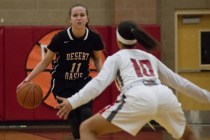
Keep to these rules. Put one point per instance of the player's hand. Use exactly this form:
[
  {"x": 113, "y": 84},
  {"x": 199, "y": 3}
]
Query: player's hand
[
  {"x": 64, "y": 108},
  {"x": 18, "y": 87}
]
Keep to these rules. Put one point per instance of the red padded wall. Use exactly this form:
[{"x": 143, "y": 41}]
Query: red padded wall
[
  {"x": 18, "y": 42},
  {"x": 105, "y": 98},
  {"x": 1, "y": 73}
]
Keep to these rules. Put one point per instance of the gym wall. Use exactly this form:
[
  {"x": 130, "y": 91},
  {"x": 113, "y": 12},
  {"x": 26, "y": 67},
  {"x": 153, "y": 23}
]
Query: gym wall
[{"x": 16, "y": 45}]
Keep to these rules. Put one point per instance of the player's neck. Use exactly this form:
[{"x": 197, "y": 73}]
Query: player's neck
[{"x": 78, "y": 32}]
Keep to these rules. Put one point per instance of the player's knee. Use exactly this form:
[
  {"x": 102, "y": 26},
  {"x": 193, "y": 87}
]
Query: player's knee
[
  {"x": 86, "y": 127},
  {"x": 83, "y": 127}
]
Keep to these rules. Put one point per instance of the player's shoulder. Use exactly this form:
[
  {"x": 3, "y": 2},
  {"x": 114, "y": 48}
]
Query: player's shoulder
[
  {"x": 136, "y": 52},
  {"x": 144, "y": 53},
  {"x": 93, "y": 34},
  {"x": 60, "y": 35},
  {"x": 62, "y": 32},
  {"x": 129, "y": 51},
  {"x": 119, "y": 54}
]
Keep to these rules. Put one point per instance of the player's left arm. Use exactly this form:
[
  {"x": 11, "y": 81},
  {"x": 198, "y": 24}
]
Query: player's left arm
[
  {"x": 97, "y": 60},
  {"x": 181, "y": 84}
]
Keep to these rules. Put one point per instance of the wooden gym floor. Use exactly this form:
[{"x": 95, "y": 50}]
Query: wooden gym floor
[{"x": 60, "y": 131}]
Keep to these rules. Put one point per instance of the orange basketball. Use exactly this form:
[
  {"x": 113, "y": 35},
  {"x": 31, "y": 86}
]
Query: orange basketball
[{"x": 29, "y": 95}]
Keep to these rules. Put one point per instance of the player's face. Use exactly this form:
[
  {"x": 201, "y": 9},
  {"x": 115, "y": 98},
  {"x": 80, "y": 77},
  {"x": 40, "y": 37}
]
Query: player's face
[{"x": 78, "y": 17}]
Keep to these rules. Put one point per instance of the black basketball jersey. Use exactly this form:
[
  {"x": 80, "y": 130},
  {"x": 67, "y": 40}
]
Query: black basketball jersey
[{"x": 73, "y": 54}]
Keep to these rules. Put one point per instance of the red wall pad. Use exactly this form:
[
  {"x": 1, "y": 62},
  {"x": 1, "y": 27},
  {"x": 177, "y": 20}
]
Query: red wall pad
[
  {"x": 21, "y": 48},
  {"x": 1, "y": 73},
  {"x": 105, "y": 98},
  {"x": 18, "y": 42}
]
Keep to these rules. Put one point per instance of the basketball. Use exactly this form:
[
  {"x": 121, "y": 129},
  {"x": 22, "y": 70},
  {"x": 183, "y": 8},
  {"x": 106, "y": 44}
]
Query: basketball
[{"x": 29, "y": 95}]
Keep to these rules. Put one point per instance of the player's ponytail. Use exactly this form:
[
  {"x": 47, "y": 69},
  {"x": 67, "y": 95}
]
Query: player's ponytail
[{"x": 129, "y": 34}]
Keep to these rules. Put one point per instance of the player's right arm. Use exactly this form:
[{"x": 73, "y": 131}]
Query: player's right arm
[
  {"x": 91, "y": 90},
  {"x": 41, "y": 66},
  {"x": 95, "y": 87}
]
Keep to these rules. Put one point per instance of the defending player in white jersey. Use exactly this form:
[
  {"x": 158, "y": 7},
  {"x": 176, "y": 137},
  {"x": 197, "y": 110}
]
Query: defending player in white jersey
[{"x": 143, "y": 96}]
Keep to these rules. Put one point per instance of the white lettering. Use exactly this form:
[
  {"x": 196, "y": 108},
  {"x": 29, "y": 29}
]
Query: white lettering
[
  {"x": 77, "y": 56},
  {"x": 73, "y": 76}
]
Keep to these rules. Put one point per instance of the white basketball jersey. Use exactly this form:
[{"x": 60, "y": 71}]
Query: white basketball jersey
[{"x": 135, "y": 66}]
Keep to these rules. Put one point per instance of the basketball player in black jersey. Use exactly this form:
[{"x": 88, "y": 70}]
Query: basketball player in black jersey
[{"x": 73, "y": 47}]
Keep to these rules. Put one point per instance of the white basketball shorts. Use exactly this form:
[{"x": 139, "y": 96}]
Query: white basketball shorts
[{"x": 141, "y": 104}]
